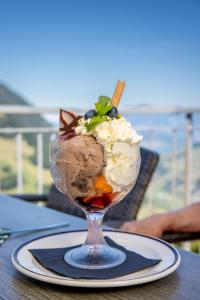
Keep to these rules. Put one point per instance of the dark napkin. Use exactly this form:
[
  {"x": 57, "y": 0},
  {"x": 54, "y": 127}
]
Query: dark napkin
[{"x": 53, "y": 260}]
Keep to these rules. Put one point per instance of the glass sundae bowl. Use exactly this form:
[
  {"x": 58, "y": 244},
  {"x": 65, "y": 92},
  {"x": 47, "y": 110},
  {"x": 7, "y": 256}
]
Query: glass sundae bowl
[
  {"x": 95, "y": 165},
  {"x": 93, "y": 195}
]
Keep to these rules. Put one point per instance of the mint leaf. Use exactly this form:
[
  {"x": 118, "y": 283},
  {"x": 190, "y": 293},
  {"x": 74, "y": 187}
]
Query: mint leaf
[
  {"x": 103, "y": 105},
  {"x": 95, "y": 121}
]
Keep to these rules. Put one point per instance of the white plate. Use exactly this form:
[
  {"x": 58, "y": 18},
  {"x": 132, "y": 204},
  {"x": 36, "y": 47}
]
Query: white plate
[{"x": 147, "y": 246}]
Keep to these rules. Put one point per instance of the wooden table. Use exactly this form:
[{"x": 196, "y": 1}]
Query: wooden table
[{"x": 182, "y": 284}]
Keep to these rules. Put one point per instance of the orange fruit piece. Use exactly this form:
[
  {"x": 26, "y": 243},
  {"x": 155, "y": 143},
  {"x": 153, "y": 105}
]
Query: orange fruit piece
[{"x": 102, "y": 185}]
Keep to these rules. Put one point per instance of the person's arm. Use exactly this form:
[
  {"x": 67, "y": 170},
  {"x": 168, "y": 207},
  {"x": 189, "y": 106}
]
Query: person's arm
[
  {"x": 183, "y": 220},
  {"x": 186, "y": 219}
]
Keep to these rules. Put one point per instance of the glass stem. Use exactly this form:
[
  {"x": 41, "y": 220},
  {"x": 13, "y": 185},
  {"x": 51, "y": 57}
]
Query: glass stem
[{"x": 95, "y": 236}]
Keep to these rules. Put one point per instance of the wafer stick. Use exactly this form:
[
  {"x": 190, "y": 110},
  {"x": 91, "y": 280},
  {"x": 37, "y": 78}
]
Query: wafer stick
[{"x": 118, "y": 93}]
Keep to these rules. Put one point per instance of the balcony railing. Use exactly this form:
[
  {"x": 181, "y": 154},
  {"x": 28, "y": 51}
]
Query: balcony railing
[{"x": 187, "y": 129}]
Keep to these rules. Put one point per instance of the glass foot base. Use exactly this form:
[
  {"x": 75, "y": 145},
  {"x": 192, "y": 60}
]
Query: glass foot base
[{"x": 95, "y": 257}]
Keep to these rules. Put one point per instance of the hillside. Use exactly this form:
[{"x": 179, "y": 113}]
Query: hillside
[
  {"x": 162, "y": 195},
  {"x": 8, "y": 168},
  {"x": 9, "y": 97}
]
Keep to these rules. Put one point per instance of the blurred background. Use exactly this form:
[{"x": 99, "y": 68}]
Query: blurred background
[{"x": 65, "y": 53}]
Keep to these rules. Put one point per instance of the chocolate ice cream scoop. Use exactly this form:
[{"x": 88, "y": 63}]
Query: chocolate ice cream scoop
[{"x": 79, "y": 160}]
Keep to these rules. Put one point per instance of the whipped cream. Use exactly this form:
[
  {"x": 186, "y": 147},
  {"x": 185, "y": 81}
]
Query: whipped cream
[{"x": 121, "y": 149}]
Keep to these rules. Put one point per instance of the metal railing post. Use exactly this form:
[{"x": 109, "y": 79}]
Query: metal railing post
[
  {"x": 150, "y": 146},
  {"x": 188, "y": 166},
  {"x": 40, "y": 163},
  {"x": 174, "y": 161},
  {"x": 188, "y": 158},
  {"x": 19, "y": 162}
]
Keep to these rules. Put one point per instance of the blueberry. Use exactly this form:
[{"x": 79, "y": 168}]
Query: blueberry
[
  {"x": 90, "y": 113},
  {"x": 113, "y": 113}
]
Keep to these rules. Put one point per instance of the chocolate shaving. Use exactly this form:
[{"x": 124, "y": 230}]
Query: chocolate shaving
[
  {"x": 74, "y": 123},
  {"x": 68, "y": 130},
  {"x": 65, "y": 136}
]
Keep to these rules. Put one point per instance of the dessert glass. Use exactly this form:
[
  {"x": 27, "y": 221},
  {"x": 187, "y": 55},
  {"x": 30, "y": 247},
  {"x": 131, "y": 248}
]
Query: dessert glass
[{"x": 95, "y": 253}]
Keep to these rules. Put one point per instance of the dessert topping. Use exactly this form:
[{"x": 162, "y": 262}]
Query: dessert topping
[
  {"x": 113, "y": 113},
  {"x": 89, "y": 114},
  {"x": 102, "y": 185},
  {"x": 68, "y": 122}
]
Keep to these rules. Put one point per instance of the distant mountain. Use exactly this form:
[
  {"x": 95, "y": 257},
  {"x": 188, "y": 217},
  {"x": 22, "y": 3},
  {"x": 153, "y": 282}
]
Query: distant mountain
[{"x": 9, "y": 97}]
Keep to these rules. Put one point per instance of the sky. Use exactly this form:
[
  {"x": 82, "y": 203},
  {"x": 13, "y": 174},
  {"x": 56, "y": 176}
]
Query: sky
[{"x": 68, "y": 52}]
